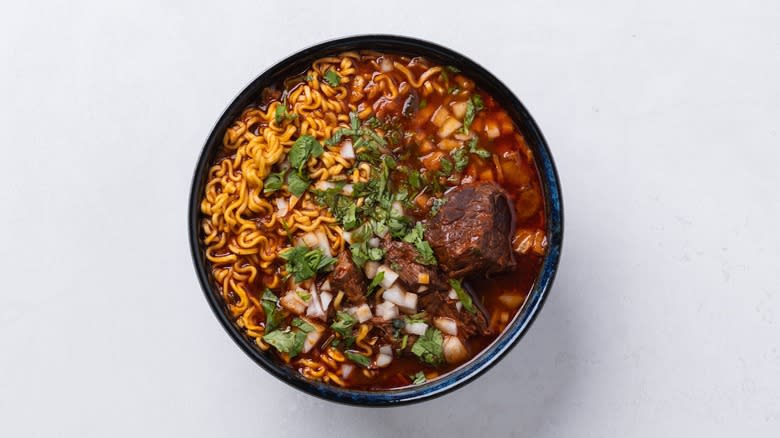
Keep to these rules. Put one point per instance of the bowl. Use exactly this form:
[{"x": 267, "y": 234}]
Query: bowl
[{"x": 522, "y": 321}]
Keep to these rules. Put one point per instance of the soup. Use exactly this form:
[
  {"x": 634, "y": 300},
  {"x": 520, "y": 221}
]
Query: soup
[{"x": 373, "y": 222}]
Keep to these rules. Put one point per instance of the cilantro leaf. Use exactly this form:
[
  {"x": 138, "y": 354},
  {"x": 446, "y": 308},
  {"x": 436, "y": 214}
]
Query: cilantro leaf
[
  {"x": 446, "y": 166},
  {"x": 474, "y": 105},
  {"x": 281, "y": 114},
  {"x": 428, "y": 347},
  {"x": 343, "y": 324},
  {"x": 303, "y": 263},
  {"x": 419, "y": 378},
  {"x": 297, "y": 184},
  {"x": 304, "y": 147},
  {"x": 272, "y": 316},
  {"x": 273, "y": 182},
  {"x": 437, "y": 205},
  {"x": 359, "y": 359},
  {"x": 302, "y": 325},
  {"x": 474, "y": 149},
  {"x": 461, "y": 158},
  {"x": 290, "y": 342},
  {"x": 416, "y": 238},
  {"x": 375, "y": 282},
  {"x": 332, "y": 78},
  {"x": 463, "y": 296}
]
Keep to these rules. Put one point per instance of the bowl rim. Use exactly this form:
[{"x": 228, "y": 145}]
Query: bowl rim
[{"x": 524, "y": 317}]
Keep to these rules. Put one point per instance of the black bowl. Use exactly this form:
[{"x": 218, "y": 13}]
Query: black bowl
[{"x": 294, "y": 65}]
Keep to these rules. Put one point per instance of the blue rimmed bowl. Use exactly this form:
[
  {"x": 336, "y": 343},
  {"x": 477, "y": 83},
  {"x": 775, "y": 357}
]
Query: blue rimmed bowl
[{"x": 467, "y": 372}]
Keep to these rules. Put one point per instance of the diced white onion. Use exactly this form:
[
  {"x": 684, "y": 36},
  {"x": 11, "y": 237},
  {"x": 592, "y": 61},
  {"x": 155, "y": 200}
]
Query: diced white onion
[
  {"x": 281, "y": 206},
  {"x": 323, "y": 242},
  {"x": 383, "y": 360},
  {"x": 315, "y": 309},
  {"x": 440, "y": 116},
  {"x": 449, "y": 126},
  {"x": 458, "y": 305},
  {"x": 347, "y": 151},
  {"x": 324, "y": 185},
  {"x": 452, "y": 294},
  {"x": 346, "y": 370},
  {"x": 311, "y": 340},
  {"x": 410, "y": 304},
  {"x": 292, "y": 302},
  {"x": 389, "y": 278},
  {"x": 374, "y": 242},
  {"x": 395, "y": 295},
  {"x": 347, "y": 189},
  {"x": 325, "y": 286},
  {"x": 511, "y": 300},
  {"x": 416, "y": 328},
  {"x": 447, "y": 326},
  {"x": 311, "y": 240},
  {"x": 459, "y": 109},
  {"x": 325, "y": 300},
  {"x": 386, "y": 65},
  {"x": 347, "y": 236},
  {"x": 363, "y": 313},
  {"x": 386, "y": 349},
  {"x": 370, "y": 268},
  {"x": 387, "y": 310},
  {"x": 491, "y": 129},
  {"x": 422, "y": 289},
  {"x": 454, "y": 350}
]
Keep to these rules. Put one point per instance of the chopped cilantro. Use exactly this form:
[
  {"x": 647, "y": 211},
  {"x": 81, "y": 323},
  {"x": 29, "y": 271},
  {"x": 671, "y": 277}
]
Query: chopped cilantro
[
  {"x": 473, "y": 106},
  {"x": 332, "y": 78},
  {"x": 474, "y": 149},
  {"x": 419, "y": 378},
  {"x": 305, "y": 296},
  {"x": 343, "y": 324},
  {"x": 302, "y": 325},
  {"x": 303, "y": 263},
  {"x": 463, "y": 296},
  {"x": 436, "y": 205},
  {"x": 272, "y": 316},
  {"x": 297, "y": 184},
  {"x": 281, "y": 114},
  {"x": 290, "y": 342},
  {"x": 375, "y": 282},
  {"x": 461, "y": 158},
  {"x": 304, "y": 147},
  {"x": 273, "y": 182},
  {"x": 416, "y": 238},
  {"x": 428, "y": 347},
  {"x": 358, "y": 358}
]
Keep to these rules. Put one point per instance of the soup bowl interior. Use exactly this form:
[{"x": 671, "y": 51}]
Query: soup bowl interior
[{"x": 294, "y": 65}]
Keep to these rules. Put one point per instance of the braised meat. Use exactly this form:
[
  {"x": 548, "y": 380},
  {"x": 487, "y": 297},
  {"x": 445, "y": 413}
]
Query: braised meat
[
  {"x": 402, "y": 258},
  {"x": 348, "y": 277},
  {"x": 471, "y": 234},
  {"x": 469, "y": 324}
]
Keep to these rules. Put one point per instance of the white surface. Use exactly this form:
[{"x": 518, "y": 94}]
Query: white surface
[{"x": 663, "y": 119}]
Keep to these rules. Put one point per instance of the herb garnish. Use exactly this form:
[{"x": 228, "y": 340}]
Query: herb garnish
[
  {"x": 358, "y": 358},
  {"x": 463, "y": 296},
  {"x": 343, "y": 324},
  {"x": 273, "y": 182},
  {"x": 416, "y": 238},
  {"x": 428, "y": 347},
  {"x": 375, "y": 282},
  {"x": 272, "y": 316},
  {"x": 303, "y": 263},
  {"x": 419, "y": 378},
  {"x": 286, "y": 341},
  {"x": 332, "y": 78}
]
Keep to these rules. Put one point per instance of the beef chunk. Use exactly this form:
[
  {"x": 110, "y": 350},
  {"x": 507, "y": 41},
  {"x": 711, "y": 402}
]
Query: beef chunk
[
  {"x": 469, "y": 324},
  {"x": 348, "y": 277},
  {"x": 471, "y": 234},
  {"x": 401, "y": 257}
]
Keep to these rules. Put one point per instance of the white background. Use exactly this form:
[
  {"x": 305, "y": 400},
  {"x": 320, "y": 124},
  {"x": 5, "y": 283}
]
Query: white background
[{"x": 662, "y": 117}]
